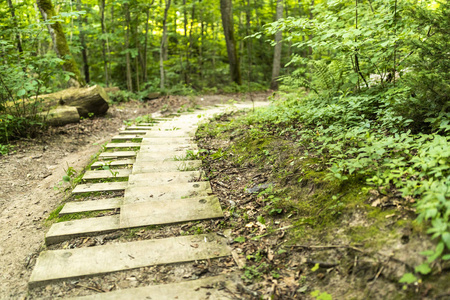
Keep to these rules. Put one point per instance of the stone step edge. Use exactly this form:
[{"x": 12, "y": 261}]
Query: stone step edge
[
  {"x": 91, "y": 205},
  {"x": 60, "y": 232},
  {"x": 59, "y": 265},
  {"x": 202, "y": 288}
]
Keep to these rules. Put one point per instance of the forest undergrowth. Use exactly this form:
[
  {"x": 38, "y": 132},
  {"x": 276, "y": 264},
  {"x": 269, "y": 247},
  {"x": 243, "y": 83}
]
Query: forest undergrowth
[{"x": 348, "y": 201}]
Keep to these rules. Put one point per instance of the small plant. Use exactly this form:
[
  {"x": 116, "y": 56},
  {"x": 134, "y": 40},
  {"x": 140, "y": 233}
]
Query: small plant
[
  {"x": 318, "y": 295},
  {"x": 72, "y": 177}
]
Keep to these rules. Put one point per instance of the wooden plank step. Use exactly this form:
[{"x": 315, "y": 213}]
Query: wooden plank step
[
  {"x": 113, "y": 173},
  {"x": 113, "y": 163},
  {"x": 138, "y": 215},
  {"x": 100, "y": 187},
  {"x": 173, "y": 191},
  {"x": 142, "y": 166},
  {"x": 137, "y": 132},
  {"x": 126, "y": 137},
  {"x": 75, "y": 263},
  {"x": 123, "y": 145},
  {"x": 92, "y": 205},
  {"x": 63, "y": 231},
  {"x": 117, "y": 154},
  {"x": 205, "y": 288},
  {"x": 170, "y": 211}
]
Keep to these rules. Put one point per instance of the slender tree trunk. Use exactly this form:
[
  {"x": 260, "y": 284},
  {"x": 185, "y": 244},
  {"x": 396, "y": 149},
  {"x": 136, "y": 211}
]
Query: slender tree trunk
[
  {"x": 213, "y": 29},
  {"x": 144, "y": 65},
  {"x": 227, "y": 22},
  {"x": 103, "y": 25},
  {"x": 138, "y": 83},
  {"x": 127, "y": 47},
  {"x": 83, "y": 44},
  {"x": 190, "y": 44},
  {"x": 249, "y": 45},
  {"x": 311, "y": 16},
  {"x": 16, "y": 26},
  {"x": 163, "y": 48},
  {"x": 185, "y": 22},
  {"x": 277, "y": 51},
  {"x": 60, "y": 43},
  {"x": 200, "y": 53},
  {"x": 135, "y": 34},
  {"x": 38, "y": 46}
]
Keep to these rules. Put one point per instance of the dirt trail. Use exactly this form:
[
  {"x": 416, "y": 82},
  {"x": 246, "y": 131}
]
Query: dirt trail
[
  {"x": 21, "y": 221},
  {"x": 29, "y": 174}
]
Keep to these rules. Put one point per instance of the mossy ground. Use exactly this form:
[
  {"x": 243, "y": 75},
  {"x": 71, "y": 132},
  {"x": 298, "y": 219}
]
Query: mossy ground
[{"x": 306, "y": 231}]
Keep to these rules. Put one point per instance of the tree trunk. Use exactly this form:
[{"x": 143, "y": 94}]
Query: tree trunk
[
  {"x": 92, "y": 100},
  {"x": 60, "y": 43},
  {"x": 16, "y": 26},
  {"x": 135, "y": 34},
  {"x": 163, "y": 48},
  {"x": 249, "y": 42},
  {"x": 127, "y": 46},
  {"x": 227, "y": 22},
  {"x": 190, "y": 45},
  {"x": 277, "y": 51},
  {"x": 83, "y": 44},
  {"x": 102, "y": 21},
  {"x": 144, "y": 55}
]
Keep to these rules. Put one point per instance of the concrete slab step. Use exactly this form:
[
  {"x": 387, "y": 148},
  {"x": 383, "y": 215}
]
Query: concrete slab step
[
  {"x": 136, "y": 132},
  {"x": 169, "y": 147},
  {"x": 123, "y": 145},
  {"x": 149, "y": 124},
  {"x": 138, "y": 215},
  {"x": 205, "y": 288},
  {"x": 139, "y": 127},
  {"x": 113, "y": 163},
  {"x": 142, "y": 165},
  {"x": 166, "y": 192},
  {"x": 117, "y": 154},
  {"x": 102, "y": 174},
  {"x": 170, "y": 211},
  {"x": 169, "y": 134},
  {"x": 92, "y": 205},
  {"x": 63, "y": 231},
  {"x": 169, "y": 141},
  {"x": 158, "y": 178},
  {"x": 75, "y": 263},
  {"x": 162, "y": 156},
  {"x": 125, "y": 137},
  {"x": 100, "y": 187}
]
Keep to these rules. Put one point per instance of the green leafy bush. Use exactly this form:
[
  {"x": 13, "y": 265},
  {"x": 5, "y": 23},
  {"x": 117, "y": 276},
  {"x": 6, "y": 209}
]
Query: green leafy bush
[{"x": 361, "y": 135}]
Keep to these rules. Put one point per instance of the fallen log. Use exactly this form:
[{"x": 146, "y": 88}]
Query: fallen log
[
  {"x": 88, "y": 101},
  {"x": 62, "y": 115}
]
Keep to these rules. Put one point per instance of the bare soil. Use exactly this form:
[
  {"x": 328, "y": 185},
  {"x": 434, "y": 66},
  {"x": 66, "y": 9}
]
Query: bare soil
[{"x": 31, "y": 175}]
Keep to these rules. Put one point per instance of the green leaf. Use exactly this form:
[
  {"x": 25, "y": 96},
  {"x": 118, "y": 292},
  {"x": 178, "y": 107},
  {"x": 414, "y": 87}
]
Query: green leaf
[
  {"x": 21, "y": 92},
  {"x": 66, "y": 178},
  {"x": 423, "y": 269},
  {"x": 240, "y": 239},
  {"x": 437, "y": 252},
  {"x": 408, "y": 278},
  {"x": 315, "y": 268},
  {"x": 261, "y": 220},
  {"x": 446, "y": 239}
]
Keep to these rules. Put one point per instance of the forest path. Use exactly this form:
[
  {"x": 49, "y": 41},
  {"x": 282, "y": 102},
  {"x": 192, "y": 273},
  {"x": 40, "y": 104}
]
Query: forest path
[{"x": 163, "y": 187}]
